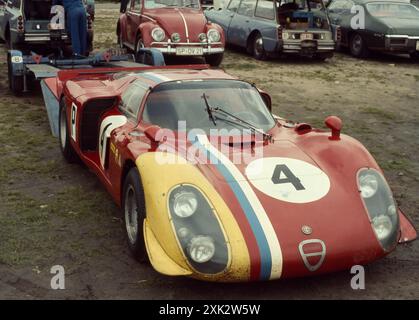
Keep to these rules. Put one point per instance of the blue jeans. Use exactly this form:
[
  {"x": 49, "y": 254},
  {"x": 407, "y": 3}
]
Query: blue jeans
[{"x": 77, "y": 24}]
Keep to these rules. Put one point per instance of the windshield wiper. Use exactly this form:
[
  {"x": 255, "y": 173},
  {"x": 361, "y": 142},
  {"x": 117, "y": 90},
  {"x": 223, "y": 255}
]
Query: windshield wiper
[
  {"x": 209, "y": 109},
  {"x": 241, "y": 122}
]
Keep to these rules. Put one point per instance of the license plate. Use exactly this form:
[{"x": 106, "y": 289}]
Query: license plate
[
  {"x": 417, "y": 45},
  {"x": 306, "y": 36},
  {"x": 189, "y": 51}
]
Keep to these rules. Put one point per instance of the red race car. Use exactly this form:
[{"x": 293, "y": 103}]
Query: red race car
[
  {"x": 175, "y": 27},
  {"x": 213, "y": 186}
]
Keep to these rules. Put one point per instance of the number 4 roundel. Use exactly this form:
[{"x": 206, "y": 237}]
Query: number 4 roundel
[{"x": 289, "y": 180}]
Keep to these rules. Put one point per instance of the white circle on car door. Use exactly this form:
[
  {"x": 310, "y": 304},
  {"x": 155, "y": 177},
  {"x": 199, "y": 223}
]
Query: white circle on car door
[{"x": 288, "y": 179}]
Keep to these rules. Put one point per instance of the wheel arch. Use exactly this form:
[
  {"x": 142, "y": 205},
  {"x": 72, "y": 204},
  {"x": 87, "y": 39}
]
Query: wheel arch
[{"x": 126, "y": 168}]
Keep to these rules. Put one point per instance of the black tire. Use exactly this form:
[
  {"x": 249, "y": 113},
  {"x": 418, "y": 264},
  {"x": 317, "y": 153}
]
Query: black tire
[
  {"x": 139, "y": 57},
  {"x": 134, "y": 212},
  {"x": 64, "y": 136},
  {"x": 358, "y": 46},
  {"x": 214, "y": 60},
  {"x": 16, "y": 83},
  {"x": 256, "y": 47}
]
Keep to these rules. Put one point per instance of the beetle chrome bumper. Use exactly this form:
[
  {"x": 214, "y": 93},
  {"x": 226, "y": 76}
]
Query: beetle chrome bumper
[{"x": 170, "y": 48}]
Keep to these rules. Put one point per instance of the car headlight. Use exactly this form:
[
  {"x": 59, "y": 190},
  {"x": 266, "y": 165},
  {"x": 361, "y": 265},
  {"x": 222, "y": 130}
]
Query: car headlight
[
  {"x": 185, "y": 204},
  {"x": 381, "y": 207},
  {"x": 213, "y": 35},
  {"x": 368, "y": 184},
  {"x": 175, "y": 37},
  {"x": 158, "y": 34},
  {"x": 285, "y": 35},
  {"x": 201, "y": 249},
  {"x": 198, "y": 230}
]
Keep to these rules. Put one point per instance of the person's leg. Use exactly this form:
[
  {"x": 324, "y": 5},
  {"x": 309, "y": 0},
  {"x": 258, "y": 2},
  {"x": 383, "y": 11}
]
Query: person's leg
[
  {"x": 74, "y": 31},
  {"x": 83, "y": 30}
]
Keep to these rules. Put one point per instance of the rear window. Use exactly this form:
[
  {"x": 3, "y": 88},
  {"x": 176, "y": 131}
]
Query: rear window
[{"x": 265, "y": 9}]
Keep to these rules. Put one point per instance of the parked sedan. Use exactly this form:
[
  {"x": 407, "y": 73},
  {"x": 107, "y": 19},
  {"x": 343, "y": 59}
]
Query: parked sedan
[
  {"x": 270, "y": 27},
  {"x": 175, "y": 27},
  {"x": 390, "y": 26}
]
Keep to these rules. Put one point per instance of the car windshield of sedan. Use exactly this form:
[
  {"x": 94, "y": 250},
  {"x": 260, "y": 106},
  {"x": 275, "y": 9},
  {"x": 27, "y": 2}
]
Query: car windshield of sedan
[
  {"x": 183, "y": 101},
  {"x": 399, "y": 10},
  {"x": 156, "y": 4}
]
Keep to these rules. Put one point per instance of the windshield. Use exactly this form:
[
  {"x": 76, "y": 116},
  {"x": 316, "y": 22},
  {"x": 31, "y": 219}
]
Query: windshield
[
  {"x": 399, "y": 10},
  {"x": 154, "y": 4},
  {"x": 174, "y": 102}
]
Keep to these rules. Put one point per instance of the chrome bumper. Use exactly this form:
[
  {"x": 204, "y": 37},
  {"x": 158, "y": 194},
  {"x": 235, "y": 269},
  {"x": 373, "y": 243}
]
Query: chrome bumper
[
  {"x": 41, "y": 37},
  {"x": 401, "y": 42},
  {"x": 170, "y": 47},
  {"x": 295, "y": 46}
]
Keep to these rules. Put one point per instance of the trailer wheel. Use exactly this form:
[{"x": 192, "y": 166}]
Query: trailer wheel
[
  {"x": 65, "y": 145},
  {"x": 16, "y": 83}
]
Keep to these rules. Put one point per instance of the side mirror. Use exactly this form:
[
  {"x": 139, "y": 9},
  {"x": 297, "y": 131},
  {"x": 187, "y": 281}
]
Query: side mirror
[
  {"x": 266, "y": 99},
  {"x": 335, "y": 125},
  {"x": 152, "y": 133}
]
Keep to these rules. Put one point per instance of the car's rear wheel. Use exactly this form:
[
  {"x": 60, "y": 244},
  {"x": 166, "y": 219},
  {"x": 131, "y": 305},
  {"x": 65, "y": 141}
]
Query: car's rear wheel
[
  {"x": 133, "y": 203},
  {"x": 64, "y": 135},
  {"x": 16, "y": 83},
  {"x": 358, "y": 46},
  {"x": 214, "y": 60},
  {"x": 258, "y": 48}
]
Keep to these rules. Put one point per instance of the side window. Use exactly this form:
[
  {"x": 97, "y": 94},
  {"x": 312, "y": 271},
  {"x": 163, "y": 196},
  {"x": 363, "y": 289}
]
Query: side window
[
  {"x": 131, "y": 99},
  {"x": 247, "y": 8},
  {"x": 265, "y": 9},
  {"x": 233, "y": 5},
  {"x": 338, "y": 5}
]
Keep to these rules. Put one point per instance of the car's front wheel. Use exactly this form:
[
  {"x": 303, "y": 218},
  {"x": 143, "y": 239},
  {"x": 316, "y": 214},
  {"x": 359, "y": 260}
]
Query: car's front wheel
[
  {"x": 358, "y": 46},
  {"x": 64, "y": 135},
  {"x": 133, "y": 203},
  {"x": 257, "y": 47},
  {"x": 214, "y": 60}
]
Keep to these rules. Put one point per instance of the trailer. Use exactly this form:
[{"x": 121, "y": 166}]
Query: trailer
[{"x": 24, "y": 70}]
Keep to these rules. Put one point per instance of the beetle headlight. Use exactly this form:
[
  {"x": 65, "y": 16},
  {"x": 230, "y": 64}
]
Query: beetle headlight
[
  {"x": 213, "y": 35},
  {"x": 158, "y": 34},
  {"x": 381, "y": 207},
  {"x": 198, "y": 230},
  {"x": 185, "y": 204}
]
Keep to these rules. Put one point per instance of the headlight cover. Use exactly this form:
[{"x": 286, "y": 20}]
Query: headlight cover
[
  {"x": 381, "y": 207},
  {"x": 200, "y": 235},
  {"x": 213, "y": 35},
  {"x": 158, "y": 34}
]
